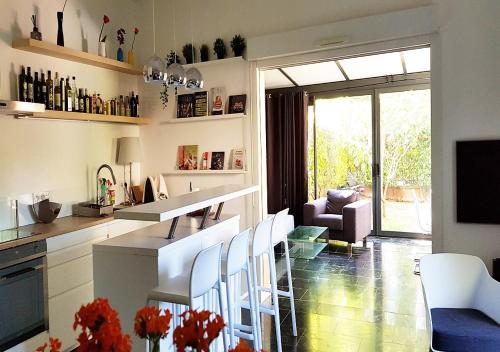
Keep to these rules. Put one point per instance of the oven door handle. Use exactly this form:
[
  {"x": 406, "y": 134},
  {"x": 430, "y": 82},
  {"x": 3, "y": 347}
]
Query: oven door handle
[{"x": 8, "y": 277}]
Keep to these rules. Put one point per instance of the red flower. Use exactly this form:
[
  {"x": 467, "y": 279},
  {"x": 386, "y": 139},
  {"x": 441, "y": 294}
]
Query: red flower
[
  {"x": 150, "y": 324},
  {"x": 105, "y": 19},
  {"x": 198, "y": 330},
  {"x": 241, "y": 348},
  {"x": 101, "y": 330},
  {"x": 55, "y": 346},
  {"x": 136, "y": 30}
]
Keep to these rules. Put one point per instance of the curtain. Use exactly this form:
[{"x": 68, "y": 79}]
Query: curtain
[{"x": 286, "y": 144}]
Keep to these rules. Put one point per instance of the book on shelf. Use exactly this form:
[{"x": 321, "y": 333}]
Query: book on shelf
[
  {"x": 187, "y": 157},
  {"x": 238, "y": 159},
  {"x": 204, "y": 161},
  {"x": 217, "y": 161},
  {"x": 185, "y": 105},
  {"x": 200, "y": 104},
  {"x": 218, "y": 96},
  {"x": 237, "y": 104}
]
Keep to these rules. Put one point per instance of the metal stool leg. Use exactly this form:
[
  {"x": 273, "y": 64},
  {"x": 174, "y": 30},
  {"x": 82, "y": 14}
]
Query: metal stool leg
[{"x": 290, "y": 287}]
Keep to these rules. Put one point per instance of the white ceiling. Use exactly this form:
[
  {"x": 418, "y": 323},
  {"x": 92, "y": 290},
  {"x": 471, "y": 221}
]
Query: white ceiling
[{"x": 415, "y": 60}]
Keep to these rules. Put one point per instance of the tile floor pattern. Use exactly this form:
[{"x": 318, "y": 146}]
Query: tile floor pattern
[{"x": 371, "y": 301}]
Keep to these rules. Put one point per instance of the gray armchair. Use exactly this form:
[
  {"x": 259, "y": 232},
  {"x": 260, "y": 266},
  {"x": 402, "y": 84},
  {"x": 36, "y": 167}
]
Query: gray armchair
[{"x": 347, "y": 218}]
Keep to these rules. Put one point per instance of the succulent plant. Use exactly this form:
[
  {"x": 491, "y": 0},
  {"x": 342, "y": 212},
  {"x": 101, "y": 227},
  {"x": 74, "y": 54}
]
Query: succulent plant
[
  {"x": 238, "y": 45},
  {"x": 204, "y": 52},
  {"x": 189, "y": 53},
  {"x": 172, "y": 57},
  {"x": 220, "y": 48}
]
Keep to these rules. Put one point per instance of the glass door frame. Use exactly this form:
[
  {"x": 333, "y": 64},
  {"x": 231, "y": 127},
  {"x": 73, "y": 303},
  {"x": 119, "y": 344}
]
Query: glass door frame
[{"x": 374, "y": 93}]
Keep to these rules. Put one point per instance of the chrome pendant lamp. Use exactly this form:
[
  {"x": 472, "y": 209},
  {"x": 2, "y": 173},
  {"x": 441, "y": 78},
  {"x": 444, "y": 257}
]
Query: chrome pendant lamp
[
  {"x": 176, "y": 75},
  {"x": 194, "y": 79},
  {"x": 154, "y": 69}
]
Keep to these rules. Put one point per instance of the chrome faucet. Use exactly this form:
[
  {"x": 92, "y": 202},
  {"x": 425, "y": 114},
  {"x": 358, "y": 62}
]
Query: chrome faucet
[{"x": 103, "y": 166}]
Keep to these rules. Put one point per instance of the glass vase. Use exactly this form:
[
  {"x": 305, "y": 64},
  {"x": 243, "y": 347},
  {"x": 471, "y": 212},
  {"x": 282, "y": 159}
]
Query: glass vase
[
  {"x": 119, "y": 54},
  {"x": 154, "y": 346},
  {"x": 60, "y": 33},
  {"x": 131, "y": 57},
  {"x": 102, "y": 49}
]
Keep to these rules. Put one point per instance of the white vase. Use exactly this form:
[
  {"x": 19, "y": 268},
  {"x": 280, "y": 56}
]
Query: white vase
[{"x": 102, "y": 49}]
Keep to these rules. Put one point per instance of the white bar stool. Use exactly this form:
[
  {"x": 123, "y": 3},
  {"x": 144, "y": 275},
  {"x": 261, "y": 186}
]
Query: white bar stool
[
  {"x": 262, "y": 246},
  {"x": 236, "y": 262},
  {"x": 205, "y": 276}
]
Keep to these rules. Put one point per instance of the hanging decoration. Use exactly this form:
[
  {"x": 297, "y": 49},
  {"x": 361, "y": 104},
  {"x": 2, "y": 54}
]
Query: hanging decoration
[{"x": 154, "y": 69}]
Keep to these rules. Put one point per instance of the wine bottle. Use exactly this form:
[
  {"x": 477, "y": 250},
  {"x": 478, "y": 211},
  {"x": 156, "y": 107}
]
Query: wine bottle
[
  {"x": 81, "y": 100},
  {"x": 36, "y": 89},
  {"x": 74, "y": 96},
  {"x": 22, "y": 84},
  {"x": 63, "y": 95},
  {"x": 87, "y": 101},
  {"x": 121, "y": 109},
  {"x": 50, "y": 92},
  {"x": 133, "y": 106},
  {"x": 137, "y": 106},
  {"x": 43, "y": 90},
  {"x": 98, "y": 104},
  {"x": 57, "y": 93},
  {"x": 69, "y": 96},
  {"x": 127, "y": 105},
  {"x": 29, "y": 82}
]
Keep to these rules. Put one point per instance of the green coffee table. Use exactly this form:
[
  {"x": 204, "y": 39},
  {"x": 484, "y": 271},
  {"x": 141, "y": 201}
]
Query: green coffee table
[{"x": 307, "y": 242}]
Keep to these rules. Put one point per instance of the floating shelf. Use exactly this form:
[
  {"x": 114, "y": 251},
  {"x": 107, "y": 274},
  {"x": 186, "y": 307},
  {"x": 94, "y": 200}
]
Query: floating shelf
[
  {"x": 204, "y": 118},
  {"x": 61, "y": 52},
  {"x": 76, "y": 116},
  {"x": 215, "y": 62},
  {"x": 204, "y": 172}
]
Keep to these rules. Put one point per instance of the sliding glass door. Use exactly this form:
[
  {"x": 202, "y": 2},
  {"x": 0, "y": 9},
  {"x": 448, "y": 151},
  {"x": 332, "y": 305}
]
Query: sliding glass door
[{"x": 376, "y": 142}]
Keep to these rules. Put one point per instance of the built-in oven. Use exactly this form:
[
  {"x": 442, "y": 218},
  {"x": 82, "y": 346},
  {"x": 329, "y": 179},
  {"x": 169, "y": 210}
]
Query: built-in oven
[{"x": 23, "y": 293}]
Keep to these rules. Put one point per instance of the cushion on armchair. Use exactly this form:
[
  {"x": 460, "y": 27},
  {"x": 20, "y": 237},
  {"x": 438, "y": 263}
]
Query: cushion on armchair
[{"x": 336, "y": 200}]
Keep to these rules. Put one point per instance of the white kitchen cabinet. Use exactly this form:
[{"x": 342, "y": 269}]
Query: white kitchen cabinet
[{"x": 121, "y": 227}]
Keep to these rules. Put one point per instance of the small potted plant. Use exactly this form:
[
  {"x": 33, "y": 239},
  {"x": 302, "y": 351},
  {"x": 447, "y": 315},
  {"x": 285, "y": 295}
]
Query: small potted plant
[
  {"x": 238, "y": 45},
  {"x": 189, "y": 53},
  {"x": 120, "y": 36},
  {"x": 102, "y": 39},
  {"x": 220, "y": 48},
  {"x": 131, "y": 56},
  {"x": 204, "y": 52}
]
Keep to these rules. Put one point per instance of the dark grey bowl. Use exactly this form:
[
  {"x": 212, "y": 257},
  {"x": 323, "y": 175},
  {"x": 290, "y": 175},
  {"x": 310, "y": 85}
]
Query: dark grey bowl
[{"x": 46, "y": 211}]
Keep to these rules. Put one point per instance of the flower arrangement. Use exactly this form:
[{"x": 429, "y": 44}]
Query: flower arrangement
[
  {"x": 136, "y": 31},
  {"x": 101, "y": 330},
  {"x": 197, "y": 330},
  {"x": 105, "y": 20},
  {"x": 220, "y": 48},
  {"x": 204, "y": 51},
  {"x": 54, "y": 346},
  {"x": 238, "y": 45},
  {"x": 150, "y": 324},
  {"x": 189, "y": 53},
  {"x": 120, "y": 36}
]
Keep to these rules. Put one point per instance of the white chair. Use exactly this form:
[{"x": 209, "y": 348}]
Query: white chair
[
  {"x": 459, "y": 281},
  {"x": 236, "y": 262},
  {"x": 205, "y": 276}
]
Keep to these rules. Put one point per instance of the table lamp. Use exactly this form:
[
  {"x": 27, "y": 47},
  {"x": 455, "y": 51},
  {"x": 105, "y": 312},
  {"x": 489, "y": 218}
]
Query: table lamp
[{"x": 129, "y": 151}]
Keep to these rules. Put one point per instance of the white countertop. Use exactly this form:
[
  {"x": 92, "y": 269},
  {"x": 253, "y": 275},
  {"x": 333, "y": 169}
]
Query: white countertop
[{"x": 167, "y": 209}]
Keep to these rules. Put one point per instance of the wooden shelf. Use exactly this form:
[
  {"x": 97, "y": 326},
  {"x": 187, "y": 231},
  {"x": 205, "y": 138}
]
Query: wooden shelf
[
  {"x": 61, "y": 52},
  {"x": 215, "y": 62},
  {"x": 204, "y": 172},
  {"x": 76, "y": 116},
  {"x": 204, "y": 118}
]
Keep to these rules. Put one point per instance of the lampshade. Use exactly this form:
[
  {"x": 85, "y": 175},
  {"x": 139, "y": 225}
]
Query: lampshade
[
  {"x": 129, "y": 150},
  {"x": 176, "y": 75},
  {"x": 154, "y": 70},
  {"x": 194, "y": 78}
]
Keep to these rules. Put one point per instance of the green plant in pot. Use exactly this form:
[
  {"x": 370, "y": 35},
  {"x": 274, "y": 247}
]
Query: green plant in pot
[
  {"x": 238, "y": 45},
  {"x": 220, "y": 48},
  {"x": 189, "y": 53},
  {"x": 204, "y": 52}
]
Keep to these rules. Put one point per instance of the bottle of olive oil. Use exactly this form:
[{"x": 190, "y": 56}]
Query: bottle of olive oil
[
  {"x": 57, "y": 94},
  {"x": 69, "y": 96},
  {"x": 29, "y": 83},
  {"x": 50, "y": 92}
]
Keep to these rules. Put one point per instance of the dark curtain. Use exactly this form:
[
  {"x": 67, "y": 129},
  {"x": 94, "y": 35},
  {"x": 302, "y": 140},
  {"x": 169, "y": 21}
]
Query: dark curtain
[{"x": 286, "y": 139}]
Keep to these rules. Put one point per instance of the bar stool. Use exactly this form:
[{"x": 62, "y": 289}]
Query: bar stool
[
  {"x": 236, "y": 262},
  {"x": 205, "y": 276}
]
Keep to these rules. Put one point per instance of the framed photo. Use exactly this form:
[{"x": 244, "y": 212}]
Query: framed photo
[
  {"x": 218, "y": 96},
  {"x": 185, "y": 105},
  {"x": 237, "y": 104},
  {"x": 217, "y": 161},
  {"x": 200, "y": 104},
  {"x": 187, "y": 157},
  {"x": 204, "y": 161}
]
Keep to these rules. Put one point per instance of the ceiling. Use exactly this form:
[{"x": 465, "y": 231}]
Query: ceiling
[{"x": 394, "y": 63}]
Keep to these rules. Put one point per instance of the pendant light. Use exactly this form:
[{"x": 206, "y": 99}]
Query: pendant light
[
  {"x": 154, "y": 69},
  {"x": 176, "y": 75},
  {"x": 194, "y": 79}
]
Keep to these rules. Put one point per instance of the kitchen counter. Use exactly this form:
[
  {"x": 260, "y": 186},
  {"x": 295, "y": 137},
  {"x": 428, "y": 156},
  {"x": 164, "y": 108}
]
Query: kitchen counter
[{"x": 58, "y": 227}]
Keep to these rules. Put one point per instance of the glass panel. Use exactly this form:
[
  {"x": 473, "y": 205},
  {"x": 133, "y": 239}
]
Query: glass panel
[
  {"x": 372, "y": 66},
  {"x": 405, "y": 135},
  {"x": 344, "y": 144},
  {"x": 322, "y": 72},
  {"x": 275, "y": 79},
  {"x": 418, "y": 60}
]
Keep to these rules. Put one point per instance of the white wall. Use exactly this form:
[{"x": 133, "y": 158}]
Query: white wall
[{"x": 62, "y": 156}]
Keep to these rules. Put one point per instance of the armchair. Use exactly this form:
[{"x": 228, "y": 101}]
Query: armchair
[{"x": 353, "y": 224}]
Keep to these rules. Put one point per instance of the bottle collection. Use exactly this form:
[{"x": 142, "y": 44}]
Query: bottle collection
[{"x": 62, "y": 95}]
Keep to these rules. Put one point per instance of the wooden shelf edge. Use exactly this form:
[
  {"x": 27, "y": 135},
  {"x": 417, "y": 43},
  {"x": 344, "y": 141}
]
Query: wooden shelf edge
[
  {"x": 76, "y": 116},
  {"x": 205, "y": 172},
  {"x": 203, "y": 118},
  {"x": 53, "y": 50}
]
